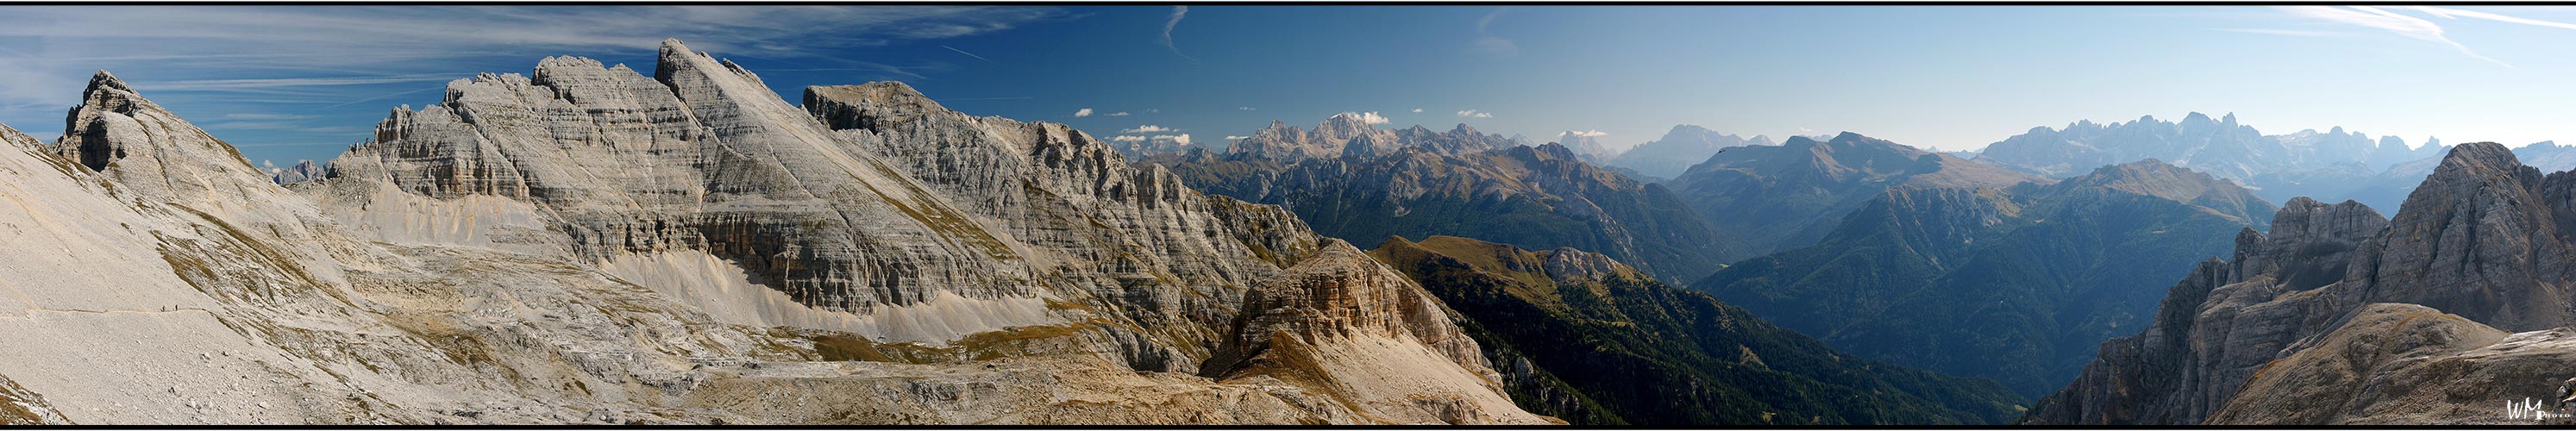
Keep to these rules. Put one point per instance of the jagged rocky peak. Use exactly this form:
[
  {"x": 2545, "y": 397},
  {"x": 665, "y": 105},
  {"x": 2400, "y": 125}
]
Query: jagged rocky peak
[
  {"x": 301, "y": 171},
  {"x": 2310, "y": 244},
  {"x": 865, "y": 106},
  {"x": 2305, "y": 221},
  {"x": 2484, "y": 237},
  {"x": 649, "y": 242},
  {"x": 1586, "y": 144},
  {"x": 2328, "y": 297},
  {"x": 115, "y": 131}
]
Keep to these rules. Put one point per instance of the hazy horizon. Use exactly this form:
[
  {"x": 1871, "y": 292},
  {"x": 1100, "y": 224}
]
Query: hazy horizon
[{"x": 288, "y": 83}]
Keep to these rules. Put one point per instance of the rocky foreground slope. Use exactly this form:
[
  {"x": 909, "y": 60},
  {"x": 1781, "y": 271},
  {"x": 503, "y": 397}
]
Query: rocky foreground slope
[
  {"x": 591, "y": 244},
  {"x": 2440, "y": 315}
]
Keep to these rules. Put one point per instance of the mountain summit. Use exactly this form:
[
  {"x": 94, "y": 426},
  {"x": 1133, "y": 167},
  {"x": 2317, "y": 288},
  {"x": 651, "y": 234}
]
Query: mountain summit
[
  {"x": 2342, "y": 317},
  {"x": 587, "y": 244}
]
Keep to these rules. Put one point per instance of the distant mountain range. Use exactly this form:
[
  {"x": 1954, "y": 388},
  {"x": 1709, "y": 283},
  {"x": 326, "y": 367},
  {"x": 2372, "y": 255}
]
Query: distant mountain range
[
  {"x": 1685, "y": 145},
  {"x": 2015, "y": 283},
  {"x": 2334, "y": 165},
  {"x": 1777, "y": 197},
  {"x": 1354, "y": 182}
]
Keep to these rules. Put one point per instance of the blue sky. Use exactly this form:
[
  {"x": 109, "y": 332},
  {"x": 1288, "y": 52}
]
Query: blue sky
[{"x": 286, "y": 83}]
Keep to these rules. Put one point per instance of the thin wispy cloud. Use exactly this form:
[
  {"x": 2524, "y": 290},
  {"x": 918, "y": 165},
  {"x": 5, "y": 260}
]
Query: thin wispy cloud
[
  {"x": 245, "y": 84},
  {"x": 970, "y": 54},
  {"x": 1489, "y": 44},
  {"x": 2459, "y": 13},
  {"x": 1149, "y": 128},
  {"x": 2392, "y": 22},
  {"x": 1118, "y": 114},
  {"x": 1178, "y": 12},
  {"x": 1471, "y": 113}
]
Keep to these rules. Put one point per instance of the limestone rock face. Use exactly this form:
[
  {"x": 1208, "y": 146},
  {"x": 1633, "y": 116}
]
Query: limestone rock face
[
  {"x": 1134, "y": 236},
  {"x": 2336, "y": 298},
  {"x": 589, "y": 245},
  {"x": 2403, "y": 364},
  {"x": 871, "y": 199},
  {"x": 1356, "y": 317},
  {"x": 2482, "y": 239}
]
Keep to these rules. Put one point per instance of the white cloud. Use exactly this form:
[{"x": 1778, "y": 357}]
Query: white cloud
[
  {"x": 1149, "y": 128},
  {"x": 1118, "y": 114},
  {"x": 1127, "y": 138},
  {"x": 1471, "y": 113},
  {"x": 1152, "y": 110},
  {"x": 1236, "y": 138},
  {"x": 1243, "y": 108},
  {"x": 1417, "y": 110},
  {"x": 1595, "y": 133},
  {"x": 2372, "y": 17},
  {"x": 1183, "y": 139},
  {"x": 1085, "y": 112},
  {"x": 1370, "y": 117}
]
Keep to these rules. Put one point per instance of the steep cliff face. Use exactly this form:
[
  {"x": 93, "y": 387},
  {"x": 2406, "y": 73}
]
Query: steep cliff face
[
  {"x": 2335, "y": 294},
  {"x": 874, "y": 209},
  {"x": 1539, "y": 197},
  {"x": 1586, "y": 338},
  {"x": 2018, "y": 285},
  {"x": 593, "y": 246}
]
